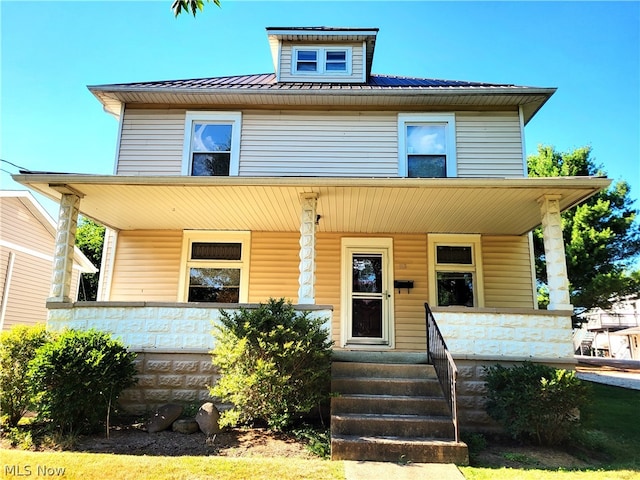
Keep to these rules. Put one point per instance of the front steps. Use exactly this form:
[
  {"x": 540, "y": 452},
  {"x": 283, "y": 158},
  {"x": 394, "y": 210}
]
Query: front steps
[{"x": 393, "y": 412}]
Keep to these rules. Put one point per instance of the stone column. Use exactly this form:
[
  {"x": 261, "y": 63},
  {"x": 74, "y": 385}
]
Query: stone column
[
  {"x": 557, "y": 279},
  {"x": 64, "y": 248},
  {"x": 307, "y": 278}
]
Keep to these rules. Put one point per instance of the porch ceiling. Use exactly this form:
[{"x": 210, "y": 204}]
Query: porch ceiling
[{"x": 353, "y": 205}]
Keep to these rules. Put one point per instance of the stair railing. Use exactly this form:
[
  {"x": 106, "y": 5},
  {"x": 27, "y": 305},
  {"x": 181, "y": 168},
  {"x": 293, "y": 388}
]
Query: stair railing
[{"x": 444, "y": 365}]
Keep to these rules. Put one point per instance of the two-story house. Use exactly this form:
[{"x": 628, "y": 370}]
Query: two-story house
[{"x": 357, "y": 196}]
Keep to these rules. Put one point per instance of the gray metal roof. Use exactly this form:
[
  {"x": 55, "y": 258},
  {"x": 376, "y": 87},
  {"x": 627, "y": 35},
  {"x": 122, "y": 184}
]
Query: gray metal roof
[{"x": 268, "y": 81}]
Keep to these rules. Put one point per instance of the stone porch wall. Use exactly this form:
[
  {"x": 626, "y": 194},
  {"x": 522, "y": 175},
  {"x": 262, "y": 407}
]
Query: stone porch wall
[
  {"x": 163, "y": 378},
  {"x": 472, "y": 390}
]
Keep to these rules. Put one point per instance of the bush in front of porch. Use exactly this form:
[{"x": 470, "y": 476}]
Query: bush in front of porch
[{"x": 275, "y": 364}]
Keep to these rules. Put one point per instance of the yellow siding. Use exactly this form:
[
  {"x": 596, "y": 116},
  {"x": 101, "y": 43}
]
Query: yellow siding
[
  {"x": 286, "y": 75},
  {"x": 489, "y": 144},
  {"x": 410, "y": 263},
  {"x": 328, "y": 277},
  {"x": 274, "y": 266},
  {"x": 508, "y": 280},
  {"x": 319, "y": 143},
  {"x": 147, "y": 266},
  {"x": 151, "y": 142}
]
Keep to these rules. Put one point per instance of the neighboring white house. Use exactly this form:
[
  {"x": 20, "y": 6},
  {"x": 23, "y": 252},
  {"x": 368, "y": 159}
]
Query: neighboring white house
[
  {"x": 27, "y": 244},
  {"x": 611, "y": 333},
  {"x": 358, "y": 196}
]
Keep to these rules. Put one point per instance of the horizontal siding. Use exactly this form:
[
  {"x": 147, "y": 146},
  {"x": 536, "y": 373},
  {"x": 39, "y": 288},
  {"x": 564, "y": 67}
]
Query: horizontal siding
[
  {"x": 151, "y": 142},
  {"x": 19, "y": 226},
  {"x": 357, "y": 59},
  {"x": 328, "y": 282},
  {"x": 28, "y": 291},
  {"x": 489, "y": 144},
  {"x": 274, "y": 266},
  {"x": 508, "y": 280},
  {"x": 147, "y": 266},
  {"x": 410, "y": 263},
  {"x": 324, "y": 144}
]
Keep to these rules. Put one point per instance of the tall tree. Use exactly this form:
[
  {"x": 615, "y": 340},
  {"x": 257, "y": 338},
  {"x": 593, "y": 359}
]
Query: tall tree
[
  {"x": 602, "y": 236},
  {"x": 90, "y": 240}
]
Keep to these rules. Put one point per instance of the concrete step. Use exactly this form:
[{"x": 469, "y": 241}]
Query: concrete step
[
  {"x": 381, "y": 370},
  {"x": 389, "y": 404},
  {"x": 412, "y": 358},
  {"x": 431, "y": 426},
  {"x": 394, "y": 449},
  {"x": 386, "y": 386}
]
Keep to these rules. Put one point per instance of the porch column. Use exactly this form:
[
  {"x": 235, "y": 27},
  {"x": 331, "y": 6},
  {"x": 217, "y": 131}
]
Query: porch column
[
  {"x": 557, "y": 279},
  {"x": 307, "y": 278},
  {"x": 64, "y": 248}
]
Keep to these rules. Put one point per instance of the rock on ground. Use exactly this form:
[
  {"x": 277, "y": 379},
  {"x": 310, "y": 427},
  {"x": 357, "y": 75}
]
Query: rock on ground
[
  {"x": 207, "y": 418},
  {"x": 164, "y": 417}
]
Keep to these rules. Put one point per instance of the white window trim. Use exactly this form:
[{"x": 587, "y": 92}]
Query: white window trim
[
  {"x": 463, "y": 240},
  {"x": 321, "y": 55},
  {"x": 448, "y": 119},
  {"x": 191, "y": 236},
  {"x": 233, "y": 118}
]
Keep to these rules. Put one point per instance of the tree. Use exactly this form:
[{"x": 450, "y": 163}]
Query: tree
[
  {"x": 602, "y": 237},
  {"x": 90, "y": 239},
  {"x": 190, "y": 6}
]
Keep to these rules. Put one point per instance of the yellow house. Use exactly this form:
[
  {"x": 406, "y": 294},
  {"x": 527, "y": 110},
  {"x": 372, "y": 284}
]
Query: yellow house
[
  {"x": 360, "y": 197},
  {"x": 27, "y": 241}
]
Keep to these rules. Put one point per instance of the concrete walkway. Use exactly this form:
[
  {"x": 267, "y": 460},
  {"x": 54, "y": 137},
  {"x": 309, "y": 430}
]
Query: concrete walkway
[
  {"x": 394, "y": 471},
  {"x": 610, "y": 371}
]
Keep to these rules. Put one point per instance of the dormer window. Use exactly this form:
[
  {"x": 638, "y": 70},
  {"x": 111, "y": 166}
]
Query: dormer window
[{"x": 321, "y": 60}]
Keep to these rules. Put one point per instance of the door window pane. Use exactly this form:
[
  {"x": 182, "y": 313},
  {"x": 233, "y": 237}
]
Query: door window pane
[
  {"x": 367, "y": 274},
  {"x": 216, "y": 251},
  {"x": 367, "y": 317},
  {"x": 221, "y": 285},
  {"x": 455, "y": 288}
]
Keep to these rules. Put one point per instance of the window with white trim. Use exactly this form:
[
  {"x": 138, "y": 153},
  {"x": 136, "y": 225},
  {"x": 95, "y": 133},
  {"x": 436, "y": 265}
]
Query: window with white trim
[
  {"x": 321, "y": 60},
  {"x": 455, "y": 270},
  {"x": 211, "y": 143},
  {"x": 215, "y": 267},
  {"x": 426, "y": 145}
]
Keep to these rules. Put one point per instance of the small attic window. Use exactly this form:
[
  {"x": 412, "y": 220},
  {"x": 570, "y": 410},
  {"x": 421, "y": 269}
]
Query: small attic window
[
  {"x": 321, "y": 60},
  {"x": 306, "y": 61}
]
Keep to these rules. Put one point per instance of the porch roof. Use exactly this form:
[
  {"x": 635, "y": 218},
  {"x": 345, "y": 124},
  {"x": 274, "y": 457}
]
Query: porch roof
[{"x": 354, "y": 205}]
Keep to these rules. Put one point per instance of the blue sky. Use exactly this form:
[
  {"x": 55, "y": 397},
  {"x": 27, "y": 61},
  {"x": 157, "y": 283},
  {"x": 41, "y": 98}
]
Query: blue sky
[{"x": 52, "y": 50}]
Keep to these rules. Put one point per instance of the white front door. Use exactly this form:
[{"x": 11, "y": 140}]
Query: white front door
[{"x": 367, "y": 302}]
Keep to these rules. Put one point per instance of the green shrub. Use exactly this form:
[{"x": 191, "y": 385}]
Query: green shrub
[
  {"x": 274, "y": 364},
  {"x": 535, "y": 402},
  {"x": 17, "y": 348},
  {"x": 77, "y": 379}
]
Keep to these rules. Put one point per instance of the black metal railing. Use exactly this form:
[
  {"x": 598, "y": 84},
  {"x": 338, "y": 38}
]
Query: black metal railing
[{"x": 444, "y": 365}]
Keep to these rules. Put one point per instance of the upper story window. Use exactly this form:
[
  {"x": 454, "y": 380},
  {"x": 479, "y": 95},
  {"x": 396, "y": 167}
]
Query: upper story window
[
  {"x": 321, "y": 60},
  {"x": 211, "y": 143},
  {"x": 426, "y": 145}
]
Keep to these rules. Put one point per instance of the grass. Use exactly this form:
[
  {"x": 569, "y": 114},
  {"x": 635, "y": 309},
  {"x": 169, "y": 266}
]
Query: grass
[
  {"x": 609, "y": 443},
  {"x": 74, "y": 465}
]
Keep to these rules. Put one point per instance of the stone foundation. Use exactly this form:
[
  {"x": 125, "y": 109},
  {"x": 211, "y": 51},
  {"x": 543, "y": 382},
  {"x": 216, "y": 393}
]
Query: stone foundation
[
  {"x": 471, "y": 390},
  {"x": 169, "y": 378}
]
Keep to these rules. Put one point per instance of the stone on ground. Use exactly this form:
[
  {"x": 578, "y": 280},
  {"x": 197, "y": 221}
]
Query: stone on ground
[
  {"x": 207, "y": 418},
  {"x": 164, "y": 417},
  {"x": 185, "y": 425}
]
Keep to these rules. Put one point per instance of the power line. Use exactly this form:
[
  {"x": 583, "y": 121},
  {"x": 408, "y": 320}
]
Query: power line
[{"x": 13, "y": 165}]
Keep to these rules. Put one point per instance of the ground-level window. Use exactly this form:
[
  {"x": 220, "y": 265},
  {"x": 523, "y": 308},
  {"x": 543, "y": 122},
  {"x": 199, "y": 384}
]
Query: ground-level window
[
  {"x": 211, "y": 143},
  {"x": 455, "y": 270},
  {"x": 426, "y": 145},
  {"x": 215, "y": 267}
]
